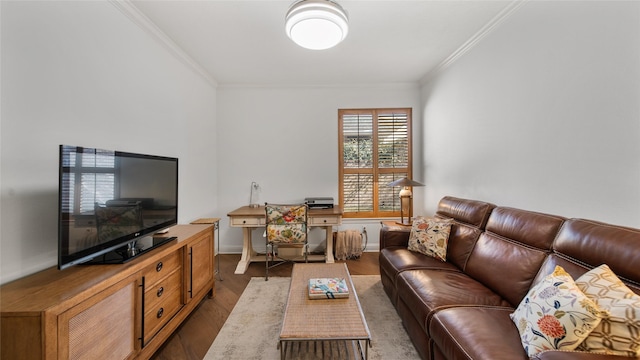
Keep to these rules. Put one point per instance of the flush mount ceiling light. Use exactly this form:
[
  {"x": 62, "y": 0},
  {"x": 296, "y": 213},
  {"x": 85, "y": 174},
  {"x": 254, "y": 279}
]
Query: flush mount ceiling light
[{"x": 316, "y": 24}]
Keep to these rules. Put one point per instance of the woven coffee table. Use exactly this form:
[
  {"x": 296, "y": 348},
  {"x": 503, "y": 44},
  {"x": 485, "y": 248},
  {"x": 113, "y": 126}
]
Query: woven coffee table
[{"x": 322, "y": 328}]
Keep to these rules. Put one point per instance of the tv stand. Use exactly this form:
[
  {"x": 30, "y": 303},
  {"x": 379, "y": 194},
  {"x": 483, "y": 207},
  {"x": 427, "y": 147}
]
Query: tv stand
[
  {"x": 115, "y": 311},
  {"x": 129, "y": 252}
]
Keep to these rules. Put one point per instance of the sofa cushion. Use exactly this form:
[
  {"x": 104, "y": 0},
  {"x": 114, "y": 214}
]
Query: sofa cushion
[
  {"x": 462, "y": 239},
  {"x": 516, "y": 243},
  {"x": 476, "y": 332},
  {"x": 555, "y": 314},
  {"x": 429, "y": 236},
  {"x": 595, "y": 243},
  {"x": 513, "y": 266},
  {"x": 528, "y": 227},
  {"x": 618, "y": 333},
  {"x": 394, "y": 260},
  {"x": 425, "y": 291},
  {"x": 471, "y": 212}
]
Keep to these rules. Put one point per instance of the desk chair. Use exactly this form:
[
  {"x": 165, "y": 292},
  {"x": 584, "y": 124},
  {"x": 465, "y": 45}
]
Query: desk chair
[{"x": 286, "y": 226}]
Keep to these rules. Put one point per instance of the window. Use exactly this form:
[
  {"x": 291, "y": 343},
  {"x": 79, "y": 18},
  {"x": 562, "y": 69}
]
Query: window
[
  {"x": 374, "y": 150},
  {"x": 91, "y": 175}
]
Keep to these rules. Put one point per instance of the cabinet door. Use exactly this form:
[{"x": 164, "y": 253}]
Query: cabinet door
[
  {"x": 201, "y": 266},
  {"x": 103, "y": 326}
]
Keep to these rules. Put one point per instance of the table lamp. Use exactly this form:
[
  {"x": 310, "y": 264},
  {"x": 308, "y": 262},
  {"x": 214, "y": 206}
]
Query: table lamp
[
  {"x": 253, "y": 197},
  {"x": 406, "y": 199}
]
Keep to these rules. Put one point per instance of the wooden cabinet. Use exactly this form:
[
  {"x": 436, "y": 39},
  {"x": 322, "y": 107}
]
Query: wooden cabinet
[
  {"x": 162, "y": 288},
  {"x": 88, "y": 330},
  {"x": 123, "y": 311}
]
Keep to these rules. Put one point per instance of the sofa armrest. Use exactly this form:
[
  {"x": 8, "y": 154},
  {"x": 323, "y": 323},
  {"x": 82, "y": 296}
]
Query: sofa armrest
[{"x": 392, "y": 234}]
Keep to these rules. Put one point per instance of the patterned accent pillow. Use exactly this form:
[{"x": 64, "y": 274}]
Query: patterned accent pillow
[
  {"x": 619, "y": 333},
  {"x": 555, "y": 314},
  {"x": 284, "y": 214},
  {"x": 288, "y": 233},
  {"x": 430, "y": 236}
]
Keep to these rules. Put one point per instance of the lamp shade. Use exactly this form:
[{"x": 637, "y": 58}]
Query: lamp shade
[
  {"x": 405, "y": 182},
  {"x": 316, "y": 24}
]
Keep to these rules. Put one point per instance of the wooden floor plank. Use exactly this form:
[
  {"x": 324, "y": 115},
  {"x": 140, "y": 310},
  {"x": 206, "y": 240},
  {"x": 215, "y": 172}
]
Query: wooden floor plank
[{"x": 196, "y": 334}]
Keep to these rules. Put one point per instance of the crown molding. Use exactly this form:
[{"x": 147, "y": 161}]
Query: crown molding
[
  {"x": 474, "y": 40},
  {"x": 140, "y": 19},
  {"x": 387, "y": 85}
]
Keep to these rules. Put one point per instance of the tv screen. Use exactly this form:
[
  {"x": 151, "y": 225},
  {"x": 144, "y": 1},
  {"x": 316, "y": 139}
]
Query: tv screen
[{"x": 112, "y": 203}]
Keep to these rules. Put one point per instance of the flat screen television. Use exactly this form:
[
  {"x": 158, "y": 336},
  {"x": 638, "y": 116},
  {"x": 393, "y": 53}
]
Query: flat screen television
[{"x": 112, "y": 205}]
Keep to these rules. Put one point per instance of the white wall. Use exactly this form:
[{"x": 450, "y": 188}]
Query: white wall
[
  {"x": 286, "y": 140},
  {"x": 543, "y": 114},
  {"x": 82, "y": 73}
]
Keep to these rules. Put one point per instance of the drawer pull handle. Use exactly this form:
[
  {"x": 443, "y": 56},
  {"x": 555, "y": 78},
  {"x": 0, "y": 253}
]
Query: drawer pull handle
[
  {"x": 244, "y": 221},
  {"x": 160, "y": 312},
  {"x": 160, "y": 291},
  {"x": 325, "y": 220},
  {"x": 159, "y": 266}
]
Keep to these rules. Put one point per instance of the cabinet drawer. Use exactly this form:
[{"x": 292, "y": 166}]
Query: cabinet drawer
[
  {"x": 248, "y": 221},
  {"x": 163, "y": 289},
  {"x": 158, "y": 315},
  {"x": 162, "y": 268},
  {"x": 324, "y": 220}
]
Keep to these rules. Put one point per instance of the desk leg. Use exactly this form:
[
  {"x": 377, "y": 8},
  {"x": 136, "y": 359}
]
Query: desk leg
[
  {"x": 247, "y": 251},
  {"x": 329, "y": 248}
]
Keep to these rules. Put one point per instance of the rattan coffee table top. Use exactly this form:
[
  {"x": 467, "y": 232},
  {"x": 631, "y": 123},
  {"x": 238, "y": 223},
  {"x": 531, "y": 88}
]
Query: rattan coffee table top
[{"x": 322, "y": 319}]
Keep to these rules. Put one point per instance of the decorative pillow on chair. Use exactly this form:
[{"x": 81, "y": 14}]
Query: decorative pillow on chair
[
  {"x": 430, "y": 236},
  {"x": 288, "y": 233},
  {"x": 555, "y": 314},
  {"x": 619, "y": 333}
]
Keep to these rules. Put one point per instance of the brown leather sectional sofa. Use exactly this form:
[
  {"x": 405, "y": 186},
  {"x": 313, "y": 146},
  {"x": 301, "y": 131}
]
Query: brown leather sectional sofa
[{"x": 459, "y": 309}]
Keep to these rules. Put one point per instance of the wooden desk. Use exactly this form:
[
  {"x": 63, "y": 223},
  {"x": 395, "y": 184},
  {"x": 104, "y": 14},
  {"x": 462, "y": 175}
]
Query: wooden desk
[{"x": 249, "y": 218}]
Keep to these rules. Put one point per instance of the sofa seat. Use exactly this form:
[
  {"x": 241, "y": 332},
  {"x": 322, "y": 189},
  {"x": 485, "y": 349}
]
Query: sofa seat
[
  {"x": 479, "y": 332},
  {"x": 398, "y": 259},
  {"x": 416, "y": 290},
  {"x": 476, "y": 332}
]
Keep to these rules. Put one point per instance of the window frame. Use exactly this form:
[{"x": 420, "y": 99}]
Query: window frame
[{"x": 376, "y": 170}]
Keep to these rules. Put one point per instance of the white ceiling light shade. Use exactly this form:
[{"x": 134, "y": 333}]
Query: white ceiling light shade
[{"x": 316, "y": 24}]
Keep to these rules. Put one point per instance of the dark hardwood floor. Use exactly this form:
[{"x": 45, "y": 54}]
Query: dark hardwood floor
[{"x": 194, "y": 337}]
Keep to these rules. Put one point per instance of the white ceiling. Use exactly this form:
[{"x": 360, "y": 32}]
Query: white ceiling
[{"x": 242, "y": 42}]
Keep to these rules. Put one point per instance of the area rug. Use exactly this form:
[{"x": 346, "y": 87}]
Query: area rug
[{"x": 252, "y": 329}]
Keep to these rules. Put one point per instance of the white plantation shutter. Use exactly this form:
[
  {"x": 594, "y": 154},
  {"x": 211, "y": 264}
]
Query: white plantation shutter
[{"x": 375, "y": 149}]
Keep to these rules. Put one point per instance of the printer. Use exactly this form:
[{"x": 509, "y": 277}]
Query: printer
[{"x": 319, "y": 202}]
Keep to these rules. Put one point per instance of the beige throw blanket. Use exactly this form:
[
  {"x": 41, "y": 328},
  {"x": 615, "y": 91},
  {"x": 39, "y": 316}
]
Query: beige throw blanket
[{"x": 348, "y": 245}]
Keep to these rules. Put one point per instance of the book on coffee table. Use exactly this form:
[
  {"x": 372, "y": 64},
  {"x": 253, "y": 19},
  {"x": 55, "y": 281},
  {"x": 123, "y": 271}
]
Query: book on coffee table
[{"x": 328, "y": 288}]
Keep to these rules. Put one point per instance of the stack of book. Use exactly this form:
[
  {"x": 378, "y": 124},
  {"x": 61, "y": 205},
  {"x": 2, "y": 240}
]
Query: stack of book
[{"x": 328, "y": 288}]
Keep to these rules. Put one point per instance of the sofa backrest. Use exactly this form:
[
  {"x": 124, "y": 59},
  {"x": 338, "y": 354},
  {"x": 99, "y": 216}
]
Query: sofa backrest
[
  {"x": 470, "y": 212},
  {"x": 470, "y": 217},
  {"x": 509, "y": 253},
  {"x": 583, "y": 245}
]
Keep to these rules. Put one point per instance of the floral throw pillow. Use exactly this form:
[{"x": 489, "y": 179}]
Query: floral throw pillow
[
  {"x": 618, "y": 333},
  {"x": 555, "y": 315},
  {"x": 430, "y": 236}
]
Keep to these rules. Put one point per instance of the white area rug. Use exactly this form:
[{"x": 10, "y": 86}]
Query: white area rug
[{"x": 252, "y": 329}]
